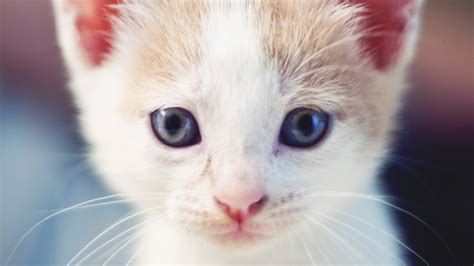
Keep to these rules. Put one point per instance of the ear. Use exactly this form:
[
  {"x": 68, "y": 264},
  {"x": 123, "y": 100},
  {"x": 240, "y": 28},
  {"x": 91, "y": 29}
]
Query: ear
[
  {"x": 389, "y": 24},
  {"x": 85, "y": 30}
]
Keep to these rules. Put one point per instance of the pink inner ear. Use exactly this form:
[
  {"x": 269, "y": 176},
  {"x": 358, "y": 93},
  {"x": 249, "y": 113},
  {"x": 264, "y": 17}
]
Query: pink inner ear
[
  {"x": 94, "y": 27},
  {"x": 386, "y": 21}
]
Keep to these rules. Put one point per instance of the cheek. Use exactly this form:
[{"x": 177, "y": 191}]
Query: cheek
[
  {"x": 348, "y": 172},
  {"x": 331, "y": 167},
  {"x": 129, "y": 160}
]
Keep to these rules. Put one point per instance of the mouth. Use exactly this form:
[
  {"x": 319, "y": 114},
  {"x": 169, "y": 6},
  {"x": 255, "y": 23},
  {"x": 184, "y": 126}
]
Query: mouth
[{"x": 239, "y": 237}]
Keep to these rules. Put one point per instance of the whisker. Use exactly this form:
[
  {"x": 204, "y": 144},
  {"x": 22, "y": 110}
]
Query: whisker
[
  {"x": 132, "y": 258},
  {"x": 108, "y": 229},
  {"x": 366, "y": 248},
  {"x": 166, "y": 214},
  {"x": 105, "y": 254},
  {"x": 28, "y": 232},
  {"x": 109, "y": 203},
  {"x": 412, "y": 172},
  {"x": 320, "y": 248},
  {"x": 127, "y": 241},
  {"x": 414, "y": 161},
  {"x": 380, "y": 230},
  {"x": 308, "y": 252},
  {"x": 322, "y": 251},
  {"x": 291, "y": 241},
  {"x": 113, "y": 238},
  {"x": 317, "y": 243},
  {"x": 350, "y": 250},
  {"x": 358, "y": 242},
  {"x": 316, "y": 190},
  {"x": 384, "y": 202},
  {"x": 365, "y": 236}
]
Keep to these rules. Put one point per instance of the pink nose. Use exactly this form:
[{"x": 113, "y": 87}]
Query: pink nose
[
  {"x": 241, "y": 206},
  {"x": 239, "y": 188}
]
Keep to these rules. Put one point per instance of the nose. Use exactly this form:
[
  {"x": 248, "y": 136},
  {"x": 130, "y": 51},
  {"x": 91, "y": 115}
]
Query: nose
[
  {"x": 239, "y": 188},
  {"x": 240, "y": 207}
]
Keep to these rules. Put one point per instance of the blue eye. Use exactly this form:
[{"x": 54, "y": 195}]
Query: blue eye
[
  {"x": 175, "y": 127},
  {"x": 303, "y": 127}
]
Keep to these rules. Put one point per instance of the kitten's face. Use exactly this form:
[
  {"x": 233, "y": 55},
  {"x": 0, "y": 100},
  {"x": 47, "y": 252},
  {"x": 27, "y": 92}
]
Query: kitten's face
[{"x": 239, "y": 70}]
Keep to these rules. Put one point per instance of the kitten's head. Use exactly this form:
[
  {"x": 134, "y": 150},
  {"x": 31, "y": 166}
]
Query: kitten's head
[{"x": 238, "y": 115}]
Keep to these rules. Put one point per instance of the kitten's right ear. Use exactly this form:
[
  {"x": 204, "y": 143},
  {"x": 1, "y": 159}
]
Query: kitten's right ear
[
  {"x": 388, "y": 25},
  {"x": 85, "y": 30}
]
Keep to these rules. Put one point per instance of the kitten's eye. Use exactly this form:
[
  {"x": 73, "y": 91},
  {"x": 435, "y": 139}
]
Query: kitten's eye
[
  {"x": 303, "y": 127},
  {"x": 175, "y": 127}
]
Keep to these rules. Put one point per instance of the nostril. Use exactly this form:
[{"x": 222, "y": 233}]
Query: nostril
[
  {"x": 258, "y": 205},
  {"x": 222, "y": 204},
  {"x": 233, "y": 213}
]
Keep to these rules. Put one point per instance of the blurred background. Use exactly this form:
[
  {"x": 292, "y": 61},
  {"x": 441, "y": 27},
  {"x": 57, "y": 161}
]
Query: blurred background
[{"x": 43, "y": 167}]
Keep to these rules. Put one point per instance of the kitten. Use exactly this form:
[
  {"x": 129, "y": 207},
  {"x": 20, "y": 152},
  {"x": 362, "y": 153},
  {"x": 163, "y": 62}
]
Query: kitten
[{"x": 257, "y": 128}]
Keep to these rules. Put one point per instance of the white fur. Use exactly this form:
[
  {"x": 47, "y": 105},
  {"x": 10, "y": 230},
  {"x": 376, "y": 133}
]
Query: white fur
[{"x": 234, "y": 93}]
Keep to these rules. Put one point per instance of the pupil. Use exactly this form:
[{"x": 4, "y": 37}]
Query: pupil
[
  {"x": 173, "y": 124},
  {"x": 306, "y": 124}
]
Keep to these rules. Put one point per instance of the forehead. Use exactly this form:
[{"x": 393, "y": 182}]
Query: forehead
[{"x": 237, "y": 48}]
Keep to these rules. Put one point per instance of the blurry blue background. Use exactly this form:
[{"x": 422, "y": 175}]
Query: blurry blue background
[
  {"x": 43, "y": 168},
  {"x": 42, "y": 157}
]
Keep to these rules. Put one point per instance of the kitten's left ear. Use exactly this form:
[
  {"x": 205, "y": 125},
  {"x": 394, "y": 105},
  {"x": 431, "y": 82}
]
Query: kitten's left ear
[
  {"x": 85, "y": 30},
  {"x": 390, "y": 26}
]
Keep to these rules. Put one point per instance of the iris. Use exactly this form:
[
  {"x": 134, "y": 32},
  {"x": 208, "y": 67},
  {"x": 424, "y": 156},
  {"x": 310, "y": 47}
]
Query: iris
[
  {"x": 304, "y": 127},
  {"x": 175, "y": 127}
]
